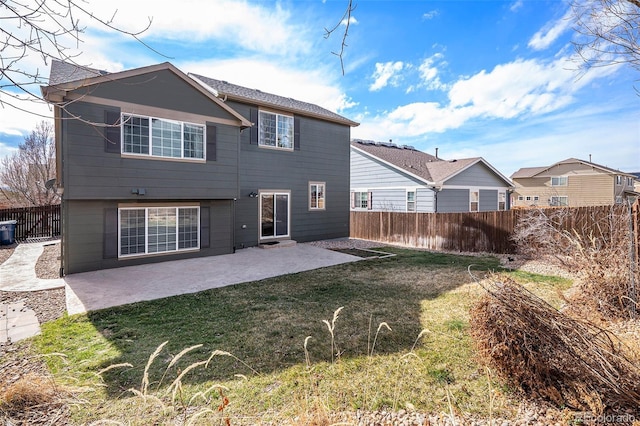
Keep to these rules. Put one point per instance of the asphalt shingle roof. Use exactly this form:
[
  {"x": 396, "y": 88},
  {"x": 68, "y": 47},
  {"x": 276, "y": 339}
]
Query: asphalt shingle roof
[
  {"x": 64, "y": 72},
  {"x": 527, "y": 172},
  {"x": 421, "y": 164},
  {"x": 240, "y": 93}
]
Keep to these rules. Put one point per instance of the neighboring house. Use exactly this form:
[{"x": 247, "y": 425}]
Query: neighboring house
[
  {"x": 387, "y": 177},
  {"x": 573, "y": 183},
  {"x": 154, "y": 165}
]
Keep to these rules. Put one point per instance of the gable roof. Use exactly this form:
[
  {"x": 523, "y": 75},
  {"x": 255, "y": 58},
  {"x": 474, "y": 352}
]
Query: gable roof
[
  {"x": 529, "y": 172},
  {"x": 260, "y": 98},
  {"x": 426, "y": 167},
  {"x": 66, "y": 77}
]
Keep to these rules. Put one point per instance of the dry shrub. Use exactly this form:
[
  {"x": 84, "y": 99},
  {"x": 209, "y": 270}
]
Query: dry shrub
[
  {"x": 548, "y": 355},
  {"x": 593, "y": 243},
  {"x": 28, "y": 392}
]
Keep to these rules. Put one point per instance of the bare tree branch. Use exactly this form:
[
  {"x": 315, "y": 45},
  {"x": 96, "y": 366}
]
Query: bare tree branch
[
  {"x": 346, "y": 21},
  {"x": 609, "y": 32},
  {"x": 24, "y": 173},
  {"x": 47, "y": 30}
]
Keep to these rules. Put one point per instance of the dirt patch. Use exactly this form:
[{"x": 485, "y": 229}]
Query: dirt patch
[
  {"x": 48, "y": 265},
  {"x": 6, "y": 252}
]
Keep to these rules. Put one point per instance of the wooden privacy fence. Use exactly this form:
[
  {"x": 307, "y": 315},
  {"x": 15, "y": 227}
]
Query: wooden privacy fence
[
  {"x": 34, "y": 222},
  {"x": 473, "y": 232}
]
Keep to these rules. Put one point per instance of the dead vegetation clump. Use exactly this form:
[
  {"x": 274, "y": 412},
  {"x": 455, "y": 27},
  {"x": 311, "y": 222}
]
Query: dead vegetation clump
[
  {"x": 32, "y": 400},
  {"x": 549, "y": 355},
  {"x": 596, "y": 245}
]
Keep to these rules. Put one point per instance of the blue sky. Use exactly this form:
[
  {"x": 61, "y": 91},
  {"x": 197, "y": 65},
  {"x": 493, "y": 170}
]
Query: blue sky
[{"x": 491, "y": 79}]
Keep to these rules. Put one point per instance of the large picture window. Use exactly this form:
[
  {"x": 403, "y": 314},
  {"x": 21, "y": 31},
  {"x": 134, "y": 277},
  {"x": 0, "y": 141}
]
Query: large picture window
[
  {"x": 158, "y": 230},
  {"x": 162, "y": 138},
  {"x": 275, "y": 130}
]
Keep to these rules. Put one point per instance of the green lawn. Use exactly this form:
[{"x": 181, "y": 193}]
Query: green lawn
[{"x": 400, "y": 341}]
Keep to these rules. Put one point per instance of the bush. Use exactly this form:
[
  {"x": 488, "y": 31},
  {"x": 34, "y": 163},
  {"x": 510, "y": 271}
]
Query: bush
[{"x": 547, "y": 354}]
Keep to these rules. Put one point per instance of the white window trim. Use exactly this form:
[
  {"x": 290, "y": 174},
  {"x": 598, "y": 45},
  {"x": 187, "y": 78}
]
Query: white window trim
[
  {"x": 415, "y": 200},
  {"x": 504, "y": 195},
  {"x": 471, "y": 190},
  {"x": 277, "y": 114},
  {"x": 146, "y": 227},
  {"x": 150, "y": 154},
  {"x": 324, "y": 196},
  {"x": 274, "y": 192},
  {"x": 369, "y": 197}
]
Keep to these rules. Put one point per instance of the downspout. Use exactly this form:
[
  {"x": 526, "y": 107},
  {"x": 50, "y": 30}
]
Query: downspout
[{"x": 435, "y": 190}]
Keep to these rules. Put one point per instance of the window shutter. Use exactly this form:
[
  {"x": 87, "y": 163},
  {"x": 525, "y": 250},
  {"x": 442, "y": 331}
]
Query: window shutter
[
  {"x": 205, "y": 220},
  {"x": 253, "y": 117},
  {"x": 211, "y": 142},
  {"x": 370, "y": 201},
  {"x": 296, "y": 134},
  {"x": 110, "y": 236},
  {"x": 353, "y": 200},
  {"x": 112, "y": 131}
]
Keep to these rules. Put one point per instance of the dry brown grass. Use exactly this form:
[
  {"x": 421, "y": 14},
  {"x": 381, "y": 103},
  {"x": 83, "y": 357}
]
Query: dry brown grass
[
  {"x": 549, "y": 355},
  {"x": 33, "y": 400}
]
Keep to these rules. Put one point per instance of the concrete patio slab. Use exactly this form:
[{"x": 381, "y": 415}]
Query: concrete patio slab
[{"x": 112, "y": 287}]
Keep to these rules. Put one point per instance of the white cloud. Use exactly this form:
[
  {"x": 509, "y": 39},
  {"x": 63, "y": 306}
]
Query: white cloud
[
  {"x": 516, "y": 5},
  {"x": 429, "y": 73},
  {"x": 430, "y": 15},
  {"x": 264, "y": 27},
  {"x": 352, "y": 21},
  {"x": 551, "y": 32},
  {"x": 386, "y": 73}
]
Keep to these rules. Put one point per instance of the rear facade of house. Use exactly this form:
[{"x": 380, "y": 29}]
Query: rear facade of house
[
  {"x": 154, "y": 167},
  {"x": 573, "y": 183}
]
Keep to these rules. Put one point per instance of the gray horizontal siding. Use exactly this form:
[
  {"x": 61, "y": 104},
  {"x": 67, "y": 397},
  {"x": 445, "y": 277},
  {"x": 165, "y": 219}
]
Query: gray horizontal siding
[
  {"x": 91, "y": 173},
  {"x": 425, "y": 200},
  {"x": 488, "y": 200},
  {"x": 163, "y": 89},
  {"x": 453, "y": 200},
  {"x": 83, "y": 239},
  {"x": 477, "y": 175},
  {"x": 323, "y": 157},
  {"x": 367, "y": 172}
]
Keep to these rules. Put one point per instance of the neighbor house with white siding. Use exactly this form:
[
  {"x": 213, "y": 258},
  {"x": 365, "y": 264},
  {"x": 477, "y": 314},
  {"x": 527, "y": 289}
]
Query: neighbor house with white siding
[{"x": 389, "y": 177}]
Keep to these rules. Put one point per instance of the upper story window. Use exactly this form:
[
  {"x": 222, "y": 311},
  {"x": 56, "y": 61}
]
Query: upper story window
[
  {"x": 618, "y": 180},
  {"x": 275, "y": 130},
  {"x": 559, "y": 181},
  {"x": 629, "y": 181},
  {"x": 162, "y": 138}
]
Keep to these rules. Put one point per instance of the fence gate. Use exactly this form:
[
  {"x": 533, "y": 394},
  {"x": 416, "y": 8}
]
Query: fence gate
[{"x": 34, "y": 222}]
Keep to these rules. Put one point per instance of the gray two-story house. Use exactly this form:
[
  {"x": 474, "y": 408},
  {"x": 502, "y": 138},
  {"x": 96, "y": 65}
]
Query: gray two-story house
[{"x": 155, "y": 164}]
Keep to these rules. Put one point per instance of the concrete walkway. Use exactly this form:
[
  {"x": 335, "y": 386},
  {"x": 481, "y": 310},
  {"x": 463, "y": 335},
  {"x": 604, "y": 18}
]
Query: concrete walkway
[{"x": 18, "y": 273}]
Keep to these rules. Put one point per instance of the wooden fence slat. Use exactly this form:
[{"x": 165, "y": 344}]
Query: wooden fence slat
[
  {"x": 474, "y": 231},
  {"x": 34, "y": 222}
]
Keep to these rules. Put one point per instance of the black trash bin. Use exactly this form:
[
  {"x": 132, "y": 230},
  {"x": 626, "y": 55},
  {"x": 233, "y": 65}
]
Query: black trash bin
[{"x": 8, "y": 232}]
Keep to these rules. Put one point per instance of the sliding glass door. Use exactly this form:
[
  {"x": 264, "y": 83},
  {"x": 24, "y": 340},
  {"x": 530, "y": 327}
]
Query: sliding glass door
[{"x": 274, "y": 214}]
